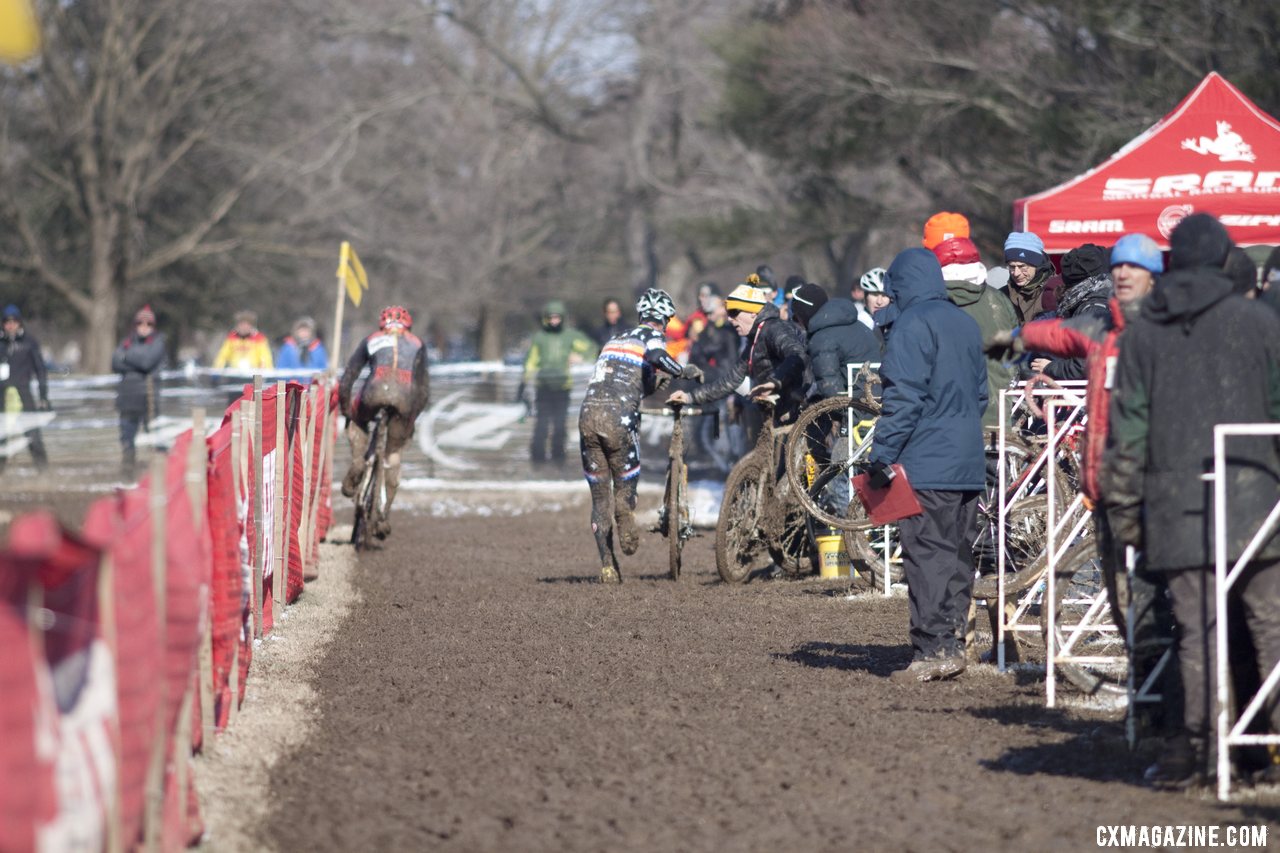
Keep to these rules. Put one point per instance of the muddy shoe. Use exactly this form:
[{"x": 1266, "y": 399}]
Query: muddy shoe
[
  {"x": 1182, "y": 765},
  {"x": 628, "y": 535},
  {"x": 351, "y": 481},
  {"x": 382, "y": 529},
  {"x": 608, "y": 574},
  {"x": 930, "y": 669}
]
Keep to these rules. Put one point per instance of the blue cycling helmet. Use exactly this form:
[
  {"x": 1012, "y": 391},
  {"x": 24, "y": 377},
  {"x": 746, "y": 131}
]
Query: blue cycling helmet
[{"x": 1139, "y": 250}]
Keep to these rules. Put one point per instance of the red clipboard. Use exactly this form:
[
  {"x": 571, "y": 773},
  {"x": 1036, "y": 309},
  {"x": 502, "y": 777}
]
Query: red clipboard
[{"x": 885, "y": 506}]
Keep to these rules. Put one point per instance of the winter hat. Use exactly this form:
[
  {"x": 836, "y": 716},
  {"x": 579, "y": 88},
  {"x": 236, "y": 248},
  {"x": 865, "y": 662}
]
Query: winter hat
[
  {"x": 1139, "y": 250},
  {"x": 765, "y": 275},
  {"x": 1199, "y": 240},
  {"x": 794, "y": 282},
  {"x": 957, "y": 250},
  {"x": 1025, "y": 247},
  {"x": 1242, "y": 271},
  {"x": 11, "y": 312},
  {"x": 944, "y": 226},
  {"x": 145, "y": 313},
  {"x": 1084, "y": 262},
  {"x": 746, "y": 297},
  {"x": 805, "y": 302},
  {"x": 554, "y": 306}
]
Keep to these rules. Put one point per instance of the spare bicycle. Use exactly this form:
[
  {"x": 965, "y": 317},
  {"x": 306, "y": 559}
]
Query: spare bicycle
[{"x": 675, "y": 519}]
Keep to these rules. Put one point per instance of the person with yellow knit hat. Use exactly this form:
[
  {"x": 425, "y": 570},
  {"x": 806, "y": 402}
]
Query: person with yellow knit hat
[{"x": 774, "y": 358}]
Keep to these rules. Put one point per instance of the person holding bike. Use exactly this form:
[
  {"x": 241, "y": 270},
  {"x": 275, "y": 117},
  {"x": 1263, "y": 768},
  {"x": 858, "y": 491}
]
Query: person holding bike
[
  {"x": 396, "y": 380},
  {"x": 774, "y": 359},
  {"x": 609, "y": 424}
]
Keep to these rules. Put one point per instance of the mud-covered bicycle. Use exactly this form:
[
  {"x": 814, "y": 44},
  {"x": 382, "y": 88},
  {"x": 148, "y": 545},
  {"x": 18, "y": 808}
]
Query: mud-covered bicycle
[
  {"x": 675, "y": 518},
  {"x": 760, "y": 513},
  {"x": 371, "y": 493}
]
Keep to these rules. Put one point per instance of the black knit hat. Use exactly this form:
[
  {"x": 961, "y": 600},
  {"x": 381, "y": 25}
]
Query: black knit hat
[
  {"x": 1084, "y": 262},
  {"x": 1242, "y": 271},
  {"x": 767, "y": 280},
  {"x": 806, "y": 301},
  {"x": 1199, "y": 241}
]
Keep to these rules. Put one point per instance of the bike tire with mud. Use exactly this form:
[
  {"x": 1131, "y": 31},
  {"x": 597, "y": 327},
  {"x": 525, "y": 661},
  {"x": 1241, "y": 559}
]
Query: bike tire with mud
[
  {"x": 677, "y": 506},
  {"x": 1080, "y": 573},
  {"x": 737, "y": 529},
  {"x": 810, "y": 423}
]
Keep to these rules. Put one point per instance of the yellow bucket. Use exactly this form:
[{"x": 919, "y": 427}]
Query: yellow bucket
[{"x": 833, "y": 562}]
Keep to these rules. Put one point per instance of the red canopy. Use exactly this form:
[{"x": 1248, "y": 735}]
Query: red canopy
[{"x": 1215, "y": 153}]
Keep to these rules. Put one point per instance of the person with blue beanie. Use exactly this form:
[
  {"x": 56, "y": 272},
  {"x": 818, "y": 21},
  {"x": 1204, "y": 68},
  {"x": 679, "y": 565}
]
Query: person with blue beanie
[
  {"x": 935, "y": 391},
  {"x": 1030, "y": 274}
]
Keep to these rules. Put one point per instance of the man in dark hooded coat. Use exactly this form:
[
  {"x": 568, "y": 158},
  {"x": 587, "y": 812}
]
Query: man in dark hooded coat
[
  {"x": 1198, "y": 355},
  {"x": 935, "y": 391}
]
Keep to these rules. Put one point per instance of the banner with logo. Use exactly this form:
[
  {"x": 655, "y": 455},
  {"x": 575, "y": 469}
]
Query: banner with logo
[{"x": 1216, "y": 153}]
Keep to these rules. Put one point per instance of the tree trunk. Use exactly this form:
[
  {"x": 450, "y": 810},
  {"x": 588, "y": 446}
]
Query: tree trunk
[
  {"x": 492, "y": 321},
  {"x": 104, "y": 314}
]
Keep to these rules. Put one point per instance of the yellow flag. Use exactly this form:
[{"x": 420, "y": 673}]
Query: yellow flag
[
  {"x": 351, "y": 273},
  {"x": 19, "y": 31}
]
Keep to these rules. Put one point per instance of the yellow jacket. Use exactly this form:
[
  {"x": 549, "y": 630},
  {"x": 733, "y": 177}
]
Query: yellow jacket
[{"x": 251, "y": 353}]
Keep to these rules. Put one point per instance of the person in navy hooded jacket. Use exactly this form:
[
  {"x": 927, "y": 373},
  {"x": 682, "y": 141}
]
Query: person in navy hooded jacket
[{"x": 935, "y": 391}]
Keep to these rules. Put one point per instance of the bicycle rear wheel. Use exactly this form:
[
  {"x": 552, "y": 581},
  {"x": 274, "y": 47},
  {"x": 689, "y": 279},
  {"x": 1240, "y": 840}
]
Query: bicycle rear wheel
[
  {"x": 366, "y": 507},
  {"x": 1079, "y": 591},
  {"x": 738, "y": 537}
]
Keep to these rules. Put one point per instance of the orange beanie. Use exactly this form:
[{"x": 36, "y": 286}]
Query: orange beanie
[{"x": 944, "y": 226}]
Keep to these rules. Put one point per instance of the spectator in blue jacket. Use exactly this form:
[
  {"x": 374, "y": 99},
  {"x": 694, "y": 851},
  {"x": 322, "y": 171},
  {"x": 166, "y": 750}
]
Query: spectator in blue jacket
[
  {"x": 303, "y": 351},
  {"x": 935, "y": 391}
]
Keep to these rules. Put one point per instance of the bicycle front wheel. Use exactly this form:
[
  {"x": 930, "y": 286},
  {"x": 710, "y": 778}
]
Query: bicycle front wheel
[
  {"x": 738, "y": 528},
  {"x": 677, "y": 514},
  {"x": 1081, "y": 598},
  {"x": 818, "y": 460}
]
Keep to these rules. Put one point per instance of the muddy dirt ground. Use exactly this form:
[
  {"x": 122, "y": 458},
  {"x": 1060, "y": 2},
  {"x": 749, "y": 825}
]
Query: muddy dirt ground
[{"x": 470, "y": 687}]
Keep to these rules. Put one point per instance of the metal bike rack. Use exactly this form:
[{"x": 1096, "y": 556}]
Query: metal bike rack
[
  {"x": 1011, "y": 399},
  {"x": 1234, "y": 735},
  {"x": 852, "y": 370},
  {"x": 1096, "y": 619}
]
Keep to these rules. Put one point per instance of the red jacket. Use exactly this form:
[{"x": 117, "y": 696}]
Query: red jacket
[{"x": 1097, "y": 342}]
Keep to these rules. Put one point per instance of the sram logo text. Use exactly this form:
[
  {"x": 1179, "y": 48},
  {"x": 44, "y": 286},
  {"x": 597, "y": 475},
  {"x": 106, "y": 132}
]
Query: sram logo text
[
  {"x": 1193, "y": 184},
  {"x": 1086, "y": 226}
]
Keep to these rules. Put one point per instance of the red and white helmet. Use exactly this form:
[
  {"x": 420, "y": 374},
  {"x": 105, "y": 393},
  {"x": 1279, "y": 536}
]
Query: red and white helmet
[{"x": 395, "y": 316}]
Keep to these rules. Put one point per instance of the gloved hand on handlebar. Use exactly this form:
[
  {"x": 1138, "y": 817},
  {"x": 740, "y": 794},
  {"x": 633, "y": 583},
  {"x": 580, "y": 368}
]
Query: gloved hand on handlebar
[
  {"x": 880, "y": 475},
  {"x": 692, "y": 372}
]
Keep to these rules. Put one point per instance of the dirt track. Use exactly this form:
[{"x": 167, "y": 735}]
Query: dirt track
[{"x": 484, "y": 694}]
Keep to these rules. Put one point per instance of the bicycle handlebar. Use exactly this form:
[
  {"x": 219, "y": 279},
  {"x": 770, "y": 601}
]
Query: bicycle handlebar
[{"x": 685, "y": 411}]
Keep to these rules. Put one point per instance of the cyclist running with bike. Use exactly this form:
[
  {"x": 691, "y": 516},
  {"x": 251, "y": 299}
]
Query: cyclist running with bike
[
  {"x": 609, "y": 424},
  {"x": 396, "y": 381}
]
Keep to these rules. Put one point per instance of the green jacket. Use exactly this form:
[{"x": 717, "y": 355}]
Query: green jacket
[
  {"x": 994, "y": 313},
  {"x": 547, "y": 363}
]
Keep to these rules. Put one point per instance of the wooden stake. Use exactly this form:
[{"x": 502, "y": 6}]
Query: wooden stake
[
  {"x": 280, "y": 559},
  {"x": 259, "y": 511},
  {"x": 198, "y": 492},
  {"x": 154, "y": 817},
  {"x": 305, "y": 408}
]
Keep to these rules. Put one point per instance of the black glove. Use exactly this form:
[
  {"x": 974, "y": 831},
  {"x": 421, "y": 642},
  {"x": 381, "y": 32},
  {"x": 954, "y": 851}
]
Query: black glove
[
  {"x": 43, "y": 406},
  {"x": 1004, "y": 345},
  {"x": 880, "y": 475}
]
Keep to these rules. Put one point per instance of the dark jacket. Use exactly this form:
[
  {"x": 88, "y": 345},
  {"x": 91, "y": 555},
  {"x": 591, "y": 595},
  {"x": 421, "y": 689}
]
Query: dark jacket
[
  {"x": 21, "y": 361},
  {"x": 139, "y": 360},
  {"x": 397, "y": 377},
  {"x": 715, "y": 350},
  {"x": 606, "y": 332},
  {"x": 838, "y": 338},
  {"x": 993, "y": 312},
  {"x": 774, "y": 353},
  {"x": 1085, "y": 300},
  {"x": 1028, "y": 302},
  {"x": 1196, "y": 356},
  {"x": 935, "y": 383}
]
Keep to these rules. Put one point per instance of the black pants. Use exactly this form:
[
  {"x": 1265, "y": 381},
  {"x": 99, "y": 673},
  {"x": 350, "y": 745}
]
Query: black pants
[
  {"x": 552, "y": 410},
  {"x": 938, "y": 563},
  {"x": 34, "y": 438},
  {"x": 1251, "y": 606}
]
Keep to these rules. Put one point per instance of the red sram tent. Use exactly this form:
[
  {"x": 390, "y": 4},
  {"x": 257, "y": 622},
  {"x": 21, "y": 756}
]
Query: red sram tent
[{"x": 1215, "y": 153}]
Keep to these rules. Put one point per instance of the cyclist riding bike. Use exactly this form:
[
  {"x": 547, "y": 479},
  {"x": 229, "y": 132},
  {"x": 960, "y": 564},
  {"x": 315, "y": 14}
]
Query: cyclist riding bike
[
  {"x": 396, "y": 380},
  {"x": 609, "y": 424}
]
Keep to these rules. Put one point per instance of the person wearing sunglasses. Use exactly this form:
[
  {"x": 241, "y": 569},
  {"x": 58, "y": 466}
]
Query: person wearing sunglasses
[{"x": 138, "y": 359}]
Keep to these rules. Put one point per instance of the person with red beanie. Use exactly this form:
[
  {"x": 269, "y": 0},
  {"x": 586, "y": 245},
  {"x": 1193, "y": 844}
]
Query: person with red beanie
[{"x": 966, "y": 280}]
